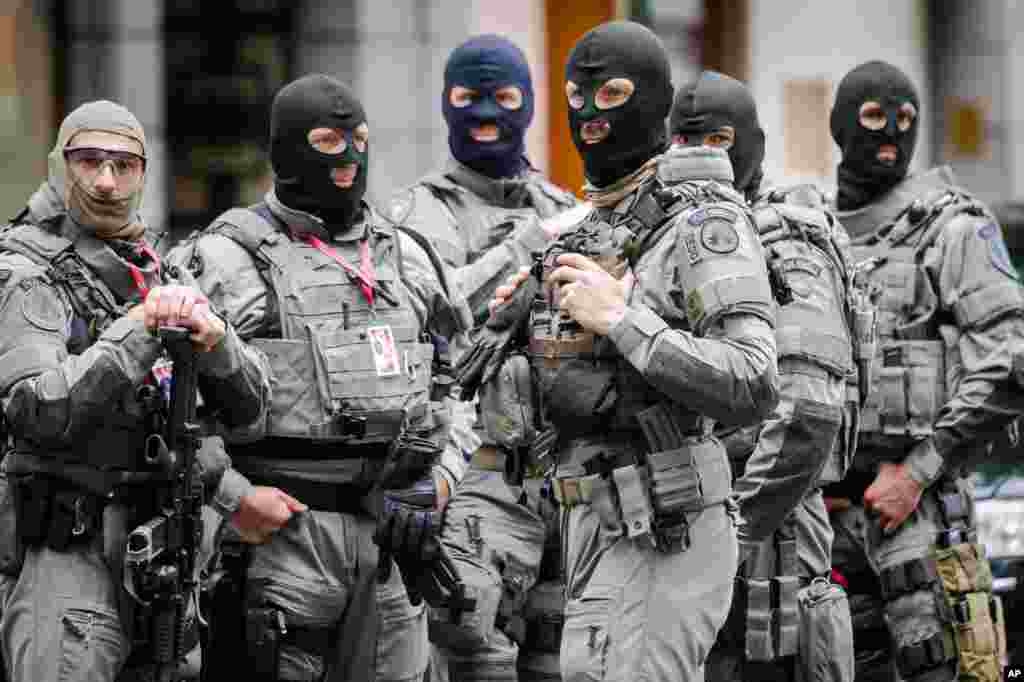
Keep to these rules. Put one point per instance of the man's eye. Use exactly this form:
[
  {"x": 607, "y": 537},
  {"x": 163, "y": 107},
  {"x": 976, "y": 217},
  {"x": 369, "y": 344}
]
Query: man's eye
[{"x": 461, "y": 97}]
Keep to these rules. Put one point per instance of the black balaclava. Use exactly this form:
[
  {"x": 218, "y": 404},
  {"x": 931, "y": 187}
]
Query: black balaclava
[
  {"x": 861, "y": 176},
  {"x": 486, "y": 64},
  {"x": 303, "y": 174},
  {"x": 620, "y": 49},
  {"x": 715, "y": 100}
]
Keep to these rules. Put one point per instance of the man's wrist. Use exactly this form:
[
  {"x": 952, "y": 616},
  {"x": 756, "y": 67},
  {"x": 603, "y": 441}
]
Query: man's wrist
[{"x": 924, "y": 463}]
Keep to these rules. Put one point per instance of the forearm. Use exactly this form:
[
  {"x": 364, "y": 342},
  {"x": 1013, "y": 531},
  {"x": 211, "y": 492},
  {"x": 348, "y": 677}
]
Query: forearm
[
  {"x": 460, "y": 443},
  {"x": 57, "y": 406},
  {"x": 730, "y": 376},
  {"x": 235, "y": 378}
]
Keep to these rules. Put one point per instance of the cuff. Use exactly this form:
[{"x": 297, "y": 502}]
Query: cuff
[
  {"x": 233, "y": 487},
  {"x": 639, "y": 325},
  {"x": 925, "y": 463},
  {"x": 220, "y": 362}
]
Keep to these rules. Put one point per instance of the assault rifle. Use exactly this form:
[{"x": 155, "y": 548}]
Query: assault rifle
[{"x": 162, "y": 553}]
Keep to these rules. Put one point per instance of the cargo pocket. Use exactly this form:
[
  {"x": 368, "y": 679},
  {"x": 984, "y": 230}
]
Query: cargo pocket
[
  {"x": 826, "y": 634},
  {"x": 813, "y": 429},
  {"x": 91, "y": 645},
  {"x": 585, "y": 637}
]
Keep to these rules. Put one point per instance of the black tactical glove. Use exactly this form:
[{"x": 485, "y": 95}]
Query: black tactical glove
[
  {"x": 495, "y": 339},
  {"x": 409, "y": 531}
]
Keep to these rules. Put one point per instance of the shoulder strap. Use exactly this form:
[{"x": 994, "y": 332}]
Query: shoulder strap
[
  {"x": 254, "y": 228},
  {"x": 424, "y": 243}
]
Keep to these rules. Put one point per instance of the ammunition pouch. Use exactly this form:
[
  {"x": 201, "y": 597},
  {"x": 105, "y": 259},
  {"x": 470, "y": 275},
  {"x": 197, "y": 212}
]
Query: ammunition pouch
[
  {"x": 507, "y": 405},
  {"x": 12, "y": 551},
  {"x": 910, "y": 389},
  {"x": 581, "y": 397},
  {"x": 826, "y": 633}
]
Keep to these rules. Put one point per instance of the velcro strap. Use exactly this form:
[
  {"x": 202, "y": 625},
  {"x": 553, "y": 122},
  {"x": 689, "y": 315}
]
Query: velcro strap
[
  {"x": 759, "y": 645},
  {"x": 723, "y": 293},
  {"x": 634, "y": 501},
  {"x": 828, "y": 349},
  {"x": 788, "y": 619},
  {"x": 986, "y": 304},
  {"x": 926, "y": 654},
  {"x": 909, "y": 576}
]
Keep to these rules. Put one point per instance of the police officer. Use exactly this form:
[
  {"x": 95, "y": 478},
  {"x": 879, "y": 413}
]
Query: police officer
[
  {"x": 949, "y": 322},
  {"x": 780, "y": 465},
  {"x": 654, "y": 324},
  {"x": 80, "y": 290},
  {"x": 343, "y": 305},
  {"x": 484, "y": 214}
]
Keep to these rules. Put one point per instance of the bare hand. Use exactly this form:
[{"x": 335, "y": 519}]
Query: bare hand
[
  {"x": 505, "y": 291},
  {"x": 263, "y": 512},
  {"x": 894, "y": 495},
  {"x": 591, "y": 296},
  {"x": 183, "y": 306}
]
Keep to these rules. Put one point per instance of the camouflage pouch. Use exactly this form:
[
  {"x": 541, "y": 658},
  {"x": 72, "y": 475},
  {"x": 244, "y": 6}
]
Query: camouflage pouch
[{"x": 826, "y": 634}]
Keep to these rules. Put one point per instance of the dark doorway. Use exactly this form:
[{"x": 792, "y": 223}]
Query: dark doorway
[{"x": 225, "y": 61}]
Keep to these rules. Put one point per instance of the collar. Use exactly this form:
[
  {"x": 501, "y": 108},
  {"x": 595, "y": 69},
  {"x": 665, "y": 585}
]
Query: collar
[
  {"x": 300, "y": 224},
  {"x": 504, "y": 192},
  {"x": 866, "y": 219},
  {"x": 103, "y": 258},
  {"x": 613, "y": 194}
]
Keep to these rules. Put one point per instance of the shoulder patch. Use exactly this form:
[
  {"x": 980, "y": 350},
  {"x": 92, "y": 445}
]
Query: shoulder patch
[
  {"x": 997, "y": 251},
  {"x": 717, "y": 228},
  {"x": 41, "y": 308},
  {"x": 399, "y": 208}
]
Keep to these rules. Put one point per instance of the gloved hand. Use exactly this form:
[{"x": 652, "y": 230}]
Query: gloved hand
[
  {"x": 409, "y": 531},
  {"x": 495, "y": 338}
]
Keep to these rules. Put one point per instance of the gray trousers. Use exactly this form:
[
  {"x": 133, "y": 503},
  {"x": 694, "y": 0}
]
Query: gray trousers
[
  {"x": 308, "y": 570},
  {"x": 502, "y": 561},
  {"x": 634, "y": 613}
]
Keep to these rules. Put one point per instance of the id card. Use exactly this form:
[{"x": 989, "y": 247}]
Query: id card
[{"x": 385, "y": 352}]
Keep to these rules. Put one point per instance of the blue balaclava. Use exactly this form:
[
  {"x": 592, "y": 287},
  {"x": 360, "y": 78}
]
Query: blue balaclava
[{"x": 486, "y": 64}]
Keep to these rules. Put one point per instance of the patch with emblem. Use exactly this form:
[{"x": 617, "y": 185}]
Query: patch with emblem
[
  {"x": 718, "y": 231},
  {"x": 694, "y": 307},
  {"x": 997, "y": 251},
  {"x": 399, "y": 208},
  {"x": 41, "y": 308}
]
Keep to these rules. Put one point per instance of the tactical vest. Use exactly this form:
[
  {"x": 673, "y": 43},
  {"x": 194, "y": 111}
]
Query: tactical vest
[
  {"x": 914, "y": 371},
  {"x": 483, "y": 223},
  {"x": 343, "y": 370},
  {"x": 556, "y": 340},
  {"x": 118, "y": 442}
]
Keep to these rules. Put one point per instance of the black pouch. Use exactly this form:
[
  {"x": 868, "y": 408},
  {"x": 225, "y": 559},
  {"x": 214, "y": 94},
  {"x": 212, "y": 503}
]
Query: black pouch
[
  {"x": 263, "y": 630},
  {"x": 33, "y": 499},
  {"x": 12, "y": 551},
  {"x": 581, "y": 396}
]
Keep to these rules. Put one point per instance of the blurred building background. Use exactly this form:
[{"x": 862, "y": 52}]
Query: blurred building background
[{"x": 201, "y": 75}]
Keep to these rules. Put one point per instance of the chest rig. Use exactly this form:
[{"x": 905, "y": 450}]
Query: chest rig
[
  {"x": 343, "y": 369},
  {"x": 913, "y": 371}
]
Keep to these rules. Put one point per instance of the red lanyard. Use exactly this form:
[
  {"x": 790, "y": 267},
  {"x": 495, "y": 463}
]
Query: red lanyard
[
  {"x": 366, "y": 275},
  {"x": 140, "y": 280}
]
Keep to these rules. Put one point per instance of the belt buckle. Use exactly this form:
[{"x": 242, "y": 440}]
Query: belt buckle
[{"x": 952, "y": 536}]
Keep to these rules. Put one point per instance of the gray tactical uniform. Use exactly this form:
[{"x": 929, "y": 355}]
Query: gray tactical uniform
[
  {"x": 787, "y": 619},
  {"x": 650, "y": 552},
  {"x": 70, "y": 367},
  {"x": 347, "y": 378},
  {"x": 949, "y": 321},
  {"x": 497, "y": 526}
]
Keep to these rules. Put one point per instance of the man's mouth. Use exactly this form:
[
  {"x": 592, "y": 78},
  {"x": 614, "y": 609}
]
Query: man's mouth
[
  {"x": 593, "y": 132},
  {"x": 346, "y": 175},
  {"x": 485, "y": 133},
  {"x": 888, "y": 154}
]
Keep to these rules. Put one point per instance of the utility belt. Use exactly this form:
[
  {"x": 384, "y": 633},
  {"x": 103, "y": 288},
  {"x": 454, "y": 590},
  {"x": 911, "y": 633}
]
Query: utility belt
[
  {"x": 652, "y": 496},
  {"x": 513, "y": 463}
]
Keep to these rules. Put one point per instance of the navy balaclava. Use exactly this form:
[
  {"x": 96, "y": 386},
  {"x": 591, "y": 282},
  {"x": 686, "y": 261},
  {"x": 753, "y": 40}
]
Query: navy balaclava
[
  {"x": 486, "y": 64},
  {"x": 861, "y": 175},
  {"x": 715, "y": 100},
  {"x": 634, "y": 131},
  {"x": 303, "y": 174}
]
